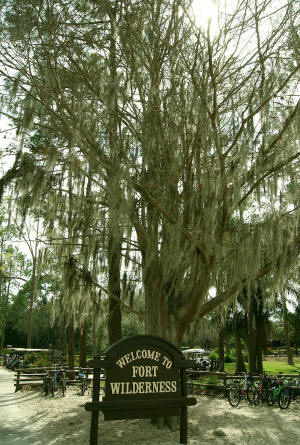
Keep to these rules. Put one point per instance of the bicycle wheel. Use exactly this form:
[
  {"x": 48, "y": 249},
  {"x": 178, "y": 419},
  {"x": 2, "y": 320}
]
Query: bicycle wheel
[
  {"x": 52, "y": 387},
  {"x": 234, "y": 396},
  {"x": 256, "y": 398},
  {"x": 46, "y": 388},
  {"x": 83, "y": 387},
  {"x": 63, "y": 387},
  {"x": 270, "y": 397},
  {"x": 263, "y": 395},
  {"x": 251, "y": 390},
  {"x": 284, "y": 398}
]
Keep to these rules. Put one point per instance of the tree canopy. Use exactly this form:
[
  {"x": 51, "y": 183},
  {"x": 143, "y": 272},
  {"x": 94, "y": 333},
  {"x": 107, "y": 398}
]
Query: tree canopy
[{"x": 157, "y": 148}]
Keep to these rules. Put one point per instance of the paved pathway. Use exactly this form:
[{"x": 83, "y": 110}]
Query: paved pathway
[{"x": 16, "y": 422}]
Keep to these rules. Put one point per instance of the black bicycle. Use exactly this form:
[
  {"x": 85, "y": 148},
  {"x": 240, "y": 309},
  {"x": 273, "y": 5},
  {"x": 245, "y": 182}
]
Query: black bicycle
[
  {"x": 47, "y": 383},
  {"x": 243, "y": 390},
  {"x": 62, "y": 381},
  {"x": 274, "y": 391},
  {"x": 289, "y": 393},
  {"x": 84, "y": 381}
]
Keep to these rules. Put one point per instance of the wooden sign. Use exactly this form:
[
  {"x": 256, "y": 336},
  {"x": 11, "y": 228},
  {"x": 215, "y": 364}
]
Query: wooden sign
[{"x": 145, "y": 378}]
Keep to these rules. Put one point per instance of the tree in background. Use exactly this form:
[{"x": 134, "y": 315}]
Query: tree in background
[
  {"x": 204, "y": 132},
  {"x": 14, "y": 268}
]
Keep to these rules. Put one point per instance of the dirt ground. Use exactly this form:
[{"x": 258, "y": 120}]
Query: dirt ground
[{"x": 63, "y": 420}]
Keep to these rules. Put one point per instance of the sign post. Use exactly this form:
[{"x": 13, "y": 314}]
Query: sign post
[{"x": 145, "y": 378}]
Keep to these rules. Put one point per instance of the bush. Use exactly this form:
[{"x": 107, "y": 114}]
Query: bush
[
  {"x": 42, "y": 362},
  {"x": 6, "y": 351},
  {"x": 268, "y": 351},
  {"x": 213, "y": 356},
  {"x": 228, "y": 358},
  {"x": 37, "y": 360},
  {"x": 30, "y": 359},
  {"x": 212, "y": 380}
]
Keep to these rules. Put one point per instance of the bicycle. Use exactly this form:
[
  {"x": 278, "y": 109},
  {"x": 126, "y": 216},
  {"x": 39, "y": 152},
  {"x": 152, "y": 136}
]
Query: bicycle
[
  {"x": 243, "y": 390},
  {"x": 84, "y": 381},
  {"x": 62, "y": 381},
  {"x": 289, "y": 393},
  {"x": 47, "y": 384},
  {"x": 264, "y": 387},
  {"x": 54, "y": 381},
  {"x": 274, "y": 391}
]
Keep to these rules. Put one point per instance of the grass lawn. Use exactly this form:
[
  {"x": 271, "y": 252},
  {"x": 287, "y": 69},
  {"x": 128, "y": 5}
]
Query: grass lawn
[{"x": 272, "y": 366}]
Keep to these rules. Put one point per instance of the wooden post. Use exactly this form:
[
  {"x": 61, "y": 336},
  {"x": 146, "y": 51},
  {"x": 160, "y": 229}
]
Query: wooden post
[
  {"x": 183, "y": 410},
  {"x": 18, "y": 381},
  {"x": 95, "y": 414}
]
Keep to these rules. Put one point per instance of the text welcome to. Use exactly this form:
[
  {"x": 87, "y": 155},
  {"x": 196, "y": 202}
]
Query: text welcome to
[{"x": 153, "y": 385}]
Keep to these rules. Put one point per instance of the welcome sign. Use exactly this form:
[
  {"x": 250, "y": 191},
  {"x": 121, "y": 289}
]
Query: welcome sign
[
  {"x": 145, "y": 378},
  {"x": 146, "y": 372}
]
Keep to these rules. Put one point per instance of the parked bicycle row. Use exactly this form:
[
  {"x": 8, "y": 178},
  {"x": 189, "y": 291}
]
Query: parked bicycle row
[
  {"x": 14, "y": 361},
  {"x": 56, "y": 381},
  {"x": 267, "y": 389}
]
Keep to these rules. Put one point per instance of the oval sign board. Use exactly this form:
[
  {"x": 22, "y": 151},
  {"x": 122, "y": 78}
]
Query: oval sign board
[
  {"x": 143, "y": 370},
  {"x": 143, "y": 378}
]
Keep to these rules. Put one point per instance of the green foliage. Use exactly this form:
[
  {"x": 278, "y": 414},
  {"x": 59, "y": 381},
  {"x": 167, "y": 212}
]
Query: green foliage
[
  {"x": 228, "y": 358},
  {"x": 276, "y": 366},
  {"x": 6, "y": 351},
  {"x": 271, "y": 367},
  {"x": 213, "y": 380},
  {"x": 130, "y": 328},
  {"x": 199, "y": 193},
  {"x": 30, "y": 359},
  {"x": 42, "y": 362},
  {"x": 213, "y": 355},
  {"x": 36, "y": 360}
]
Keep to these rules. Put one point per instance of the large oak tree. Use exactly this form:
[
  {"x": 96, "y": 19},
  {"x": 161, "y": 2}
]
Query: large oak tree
[{"x": 188, "y": 136}]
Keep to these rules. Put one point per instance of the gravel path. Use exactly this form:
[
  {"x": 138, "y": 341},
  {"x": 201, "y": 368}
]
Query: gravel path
[
  {"x": 16, "y": 421},
  {"x": 30, "y": 418}
]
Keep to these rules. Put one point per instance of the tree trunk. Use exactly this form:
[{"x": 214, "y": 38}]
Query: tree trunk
[
  {"x": 221, "y": 348},
  {"x": 64, "y": 338},
  {"x": 240, "y": 364},
  {"x": 82, "y": 345},
  {"x": 3, "y": 317},
  {"x": 3, "y": 325},
  {"x": 286, "y": 331},
  {"x": 155, "y": 322},
  {"x": 259, "y": 344},
  {"x": 94, "y": 335},
  {"x": 114, "y": 311},
  {"x": 5, "y": 299},
  {"x": 31, "y": 301},
  {"x": 114, "y": 192},
  {"x": 251, "y": 340},
  {"x": 71, "y": 335},
  {"x": 152, "y": 321},
  {"x": 227, "y": 344}
]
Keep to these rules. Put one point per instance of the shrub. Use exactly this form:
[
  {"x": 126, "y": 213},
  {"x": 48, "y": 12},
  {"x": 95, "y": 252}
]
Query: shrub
[
  {"x": 228, "y": 358},
  {"x": 42, "y": 362},
  {"x": 30, "y": 359},
  {"x": 213, "y": 356},
  {"x": 268, "y": 351},
  {"x": 36, "y": 360},
  {"x": 6, "y": 351},
  {"x": 212, "y": 380}
]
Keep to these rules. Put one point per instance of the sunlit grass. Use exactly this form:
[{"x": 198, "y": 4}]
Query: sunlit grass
[{"x": 272, "y": 367}]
